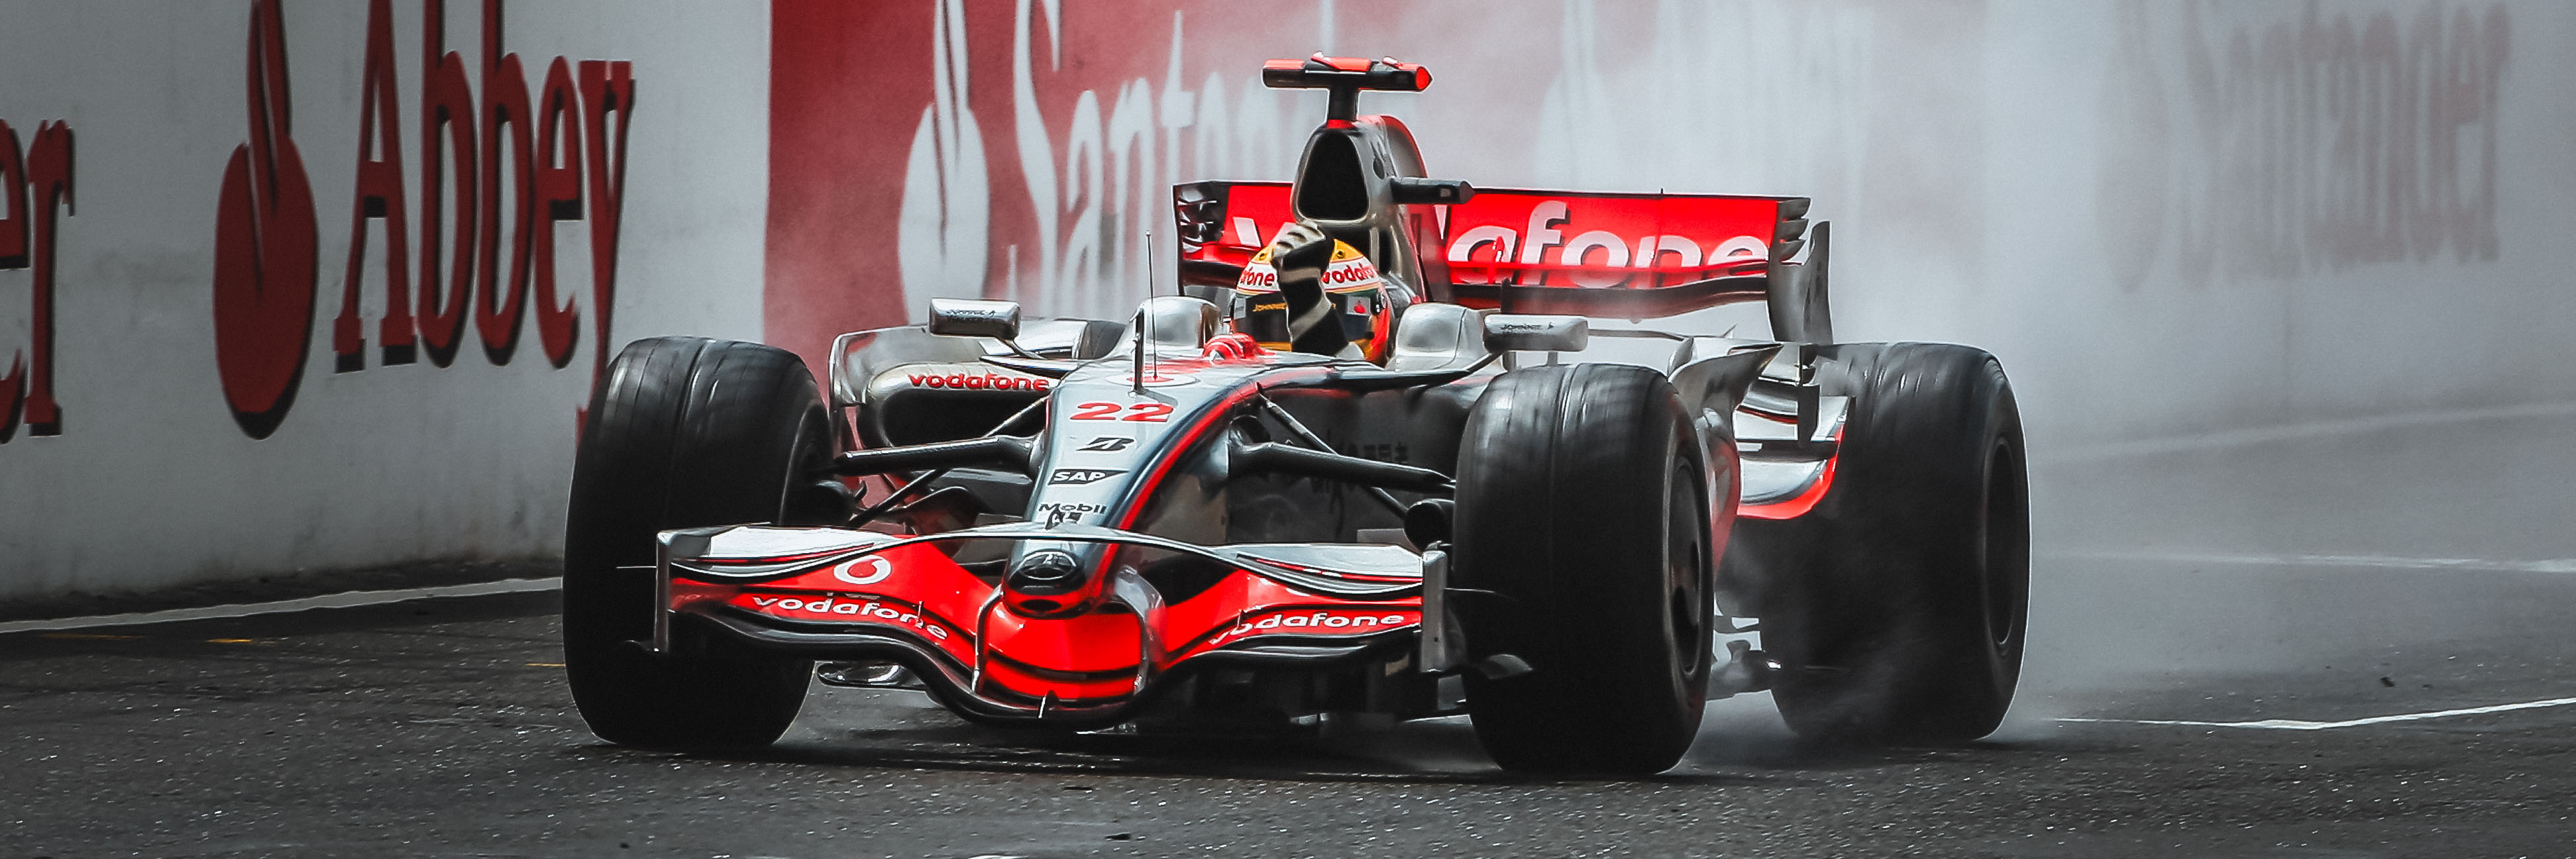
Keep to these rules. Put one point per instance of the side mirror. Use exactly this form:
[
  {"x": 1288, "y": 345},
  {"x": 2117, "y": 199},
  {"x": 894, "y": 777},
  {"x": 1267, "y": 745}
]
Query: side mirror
[
  {"x": 966, "y": 317},
  {"x": 1431, "y": 192},
  {"x": 1180, "y": 322},
  {"x": 1509, "y": 332}
]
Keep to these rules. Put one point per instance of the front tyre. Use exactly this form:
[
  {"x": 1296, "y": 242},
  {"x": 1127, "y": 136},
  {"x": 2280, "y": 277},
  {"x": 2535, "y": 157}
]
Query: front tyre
[
  {"x": 685, "y": 432},
  {"x": 1899, "y": 611},
  {"x": 1583, "y": 511}
]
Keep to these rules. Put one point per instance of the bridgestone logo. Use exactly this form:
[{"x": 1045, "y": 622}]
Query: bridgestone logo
[{"x": 978, "y": 382}]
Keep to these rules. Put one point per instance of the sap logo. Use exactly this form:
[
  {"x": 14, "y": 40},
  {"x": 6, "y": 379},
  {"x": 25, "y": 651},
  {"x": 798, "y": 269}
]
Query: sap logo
[
  {"x": 1107, "y": 444},
  {"x": 1080, "y": 476}
]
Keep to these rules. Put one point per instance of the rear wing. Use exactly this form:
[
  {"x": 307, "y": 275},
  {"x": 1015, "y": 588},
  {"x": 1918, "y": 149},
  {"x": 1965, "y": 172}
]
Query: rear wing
[{"x": 1538, "y": 251}]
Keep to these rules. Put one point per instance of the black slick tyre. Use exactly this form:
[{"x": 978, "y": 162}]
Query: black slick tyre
[
  {"x": 685, "y": 432},
  {"x": 1583, "y": 518},
  {"x": 1896, "y": 607}
]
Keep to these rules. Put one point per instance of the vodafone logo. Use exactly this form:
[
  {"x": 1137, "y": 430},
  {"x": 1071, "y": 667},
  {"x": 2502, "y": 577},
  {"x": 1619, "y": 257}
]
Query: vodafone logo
[
  {"x": 877, "y": 570},
  {"x": 1325, "y": 622},
  {"x": 1542, "y": 242},
  {"x": 978, "y": 382},
  {"x": 1350, "y": 272},
  {"x": 853, "y": 609},
  {"x": 1259, "y": 276}
]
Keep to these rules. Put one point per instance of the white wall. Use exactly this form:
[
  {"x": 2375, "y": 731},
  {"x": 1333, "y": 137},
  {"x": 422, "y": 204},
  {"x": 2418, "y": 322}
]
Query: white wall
[
  {"x": 151, "y": 481},
  {"x": 2040, "y": 178},
  {"x": 2175, "y": 222}
]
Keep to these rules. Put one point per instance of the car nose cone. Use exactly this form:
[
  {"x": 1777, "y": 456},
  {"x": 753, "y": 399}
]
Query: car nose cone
[{"x": 1047, "y": 572}]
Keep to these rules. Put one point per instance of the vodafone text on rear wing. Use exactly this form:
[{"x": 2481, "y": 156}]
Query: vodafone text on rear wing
[{"x": 1539, "y": 251}]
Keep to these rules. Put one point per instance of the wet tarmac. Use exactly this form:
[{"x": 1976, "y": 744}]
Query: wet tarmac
[{"x": 442, "y": 728}]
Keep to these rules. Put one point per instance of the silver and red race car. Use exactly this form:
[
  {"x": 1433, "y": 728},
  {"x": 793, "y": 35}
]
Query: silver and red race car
[{"x": 1355, "y": 466}]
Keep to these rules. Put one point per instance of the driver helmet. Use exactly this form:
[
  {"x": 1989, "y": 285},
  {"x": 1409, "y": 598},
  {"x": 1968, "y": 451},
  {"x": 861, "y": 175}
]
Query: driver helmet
[{"x": 1275, "y": 300}]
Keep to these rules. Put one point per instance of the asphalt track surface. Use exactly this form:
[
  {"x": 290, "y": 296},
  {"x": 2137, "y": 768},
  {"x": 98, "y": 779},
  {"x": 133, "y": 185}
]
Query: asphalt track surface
[{"x": 442, "y": 728}]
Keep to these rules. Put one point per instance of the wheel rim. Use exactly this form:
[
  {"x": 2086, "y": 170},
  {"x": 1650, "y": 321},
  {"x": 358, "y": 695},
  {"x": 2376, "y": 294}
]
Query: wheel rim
[
  {"x": 1685, "y": 558},
  {"x": 2003, "y": 549}
]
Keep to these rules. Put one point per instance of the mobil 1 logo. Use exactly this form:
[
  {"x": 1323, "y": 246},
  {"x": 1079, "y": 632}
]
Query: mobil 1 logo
[{"x": 1057, "y": 513}]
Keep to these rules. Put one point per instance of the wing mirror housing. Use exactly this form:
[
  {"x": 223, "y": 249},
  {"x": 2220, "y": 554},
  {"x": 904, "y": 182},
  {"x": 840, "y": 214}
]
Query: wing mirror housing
[
  {"x": 967, "y": 317},
  {"x": 1516, "y": 332},
  {"x": 1415, "y": 191}
]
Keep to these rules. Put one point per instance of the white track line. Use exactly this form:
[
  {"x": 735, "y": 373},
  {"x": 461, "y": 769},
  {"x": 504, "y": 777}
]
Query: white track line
[
  {"x": 2382, "y": 562},
  {"x": 2295, "y": 725},
  {"x": 352, "y": 599}
]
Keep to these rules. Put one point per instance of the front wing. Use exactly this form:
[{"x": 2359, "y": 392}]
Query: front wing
[{"x": 845, "y": 594}]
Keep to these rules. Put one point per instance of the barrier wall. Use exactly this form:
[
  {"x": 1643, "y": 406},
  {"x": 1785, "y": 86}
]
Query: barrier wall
[
  {"x": 2270, "y": 276},
  {"x": 240, "y": 350},
  {"x": 2241, "y": 258}
]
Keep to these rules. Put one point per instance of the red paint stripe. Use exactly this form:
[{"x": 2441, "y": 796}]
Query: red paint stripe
[{"x": 1215, "y": 414}]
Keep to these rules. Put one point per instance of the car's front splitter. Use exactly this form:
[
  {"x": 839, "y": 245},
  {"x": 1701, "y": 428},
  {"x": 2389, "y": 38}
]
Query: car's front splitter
[{"x": 854, "y": 597}]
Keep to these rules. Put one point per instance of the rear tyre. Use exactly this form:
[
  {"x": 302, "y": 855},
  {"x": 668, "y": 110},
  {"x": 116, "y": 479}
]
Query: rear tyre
[
  {"x": 685, "y": 432},
  {"x": 1896, "y": 608},
  {"x": 1583, "y": 509}
]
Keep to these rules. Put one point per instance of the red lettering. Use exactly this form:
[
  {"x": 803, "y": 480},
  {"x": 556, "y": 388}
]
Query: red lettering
[
  {"x": 558, "y": 198},
  {"x": 13, "y": 180},
  {"x": 447, "y": 101},
  {"x": 49, "y": 175},
  {"x": 505, "y": 105},
  {"x": 986, "y": 381},
  {"x": 606, "y": 87},
  {"x": 1141, "y": 412},
  {"x": 562, "y": 150},
  {"x": 380, "y": 195},
  {"x": 28, "y": 392},
  {"x": 13, "y": 254},
  {"x": 264, "y": 247}
]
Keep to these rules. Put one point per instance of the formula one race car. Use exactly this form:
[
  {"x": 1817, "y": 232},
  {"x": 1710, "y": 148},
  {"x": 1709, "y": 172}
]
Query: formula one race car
[{"x": 1352, "y": 470}]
